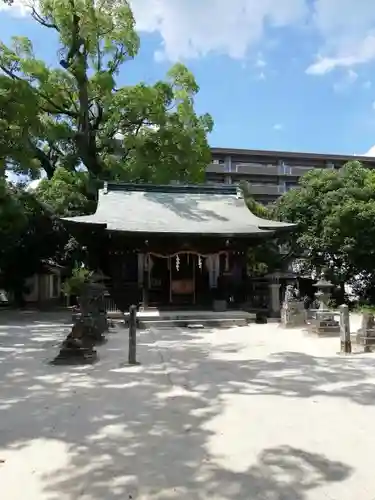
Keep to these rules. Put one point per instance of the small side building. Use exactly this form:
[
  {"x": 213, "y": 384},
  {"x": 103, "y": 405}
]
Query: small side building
[
  {"x": 172, "y": 246},
  {"x": 44, "y": 288}
]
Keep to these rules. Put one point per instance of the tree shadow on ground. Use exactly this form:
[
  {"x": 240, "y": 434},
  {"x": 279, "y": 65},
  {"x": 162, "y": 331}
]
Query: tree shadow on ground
[
  {"x": 287, "y": 374},
  {"x": 116, "y": 432}
]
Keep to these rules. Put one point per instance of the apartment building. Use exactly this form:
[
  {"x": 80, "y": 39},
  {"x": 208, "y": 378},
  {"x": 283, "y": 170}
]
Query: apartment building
[{"x": 270, "y": 173}]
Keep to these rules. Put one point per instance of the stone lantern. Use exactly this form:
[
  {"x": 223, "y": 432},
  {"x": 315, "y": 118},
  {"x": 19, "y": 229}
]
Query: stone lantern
[
  {"x": 325, "y": 323},
  {"x": 323, "y": 293}
]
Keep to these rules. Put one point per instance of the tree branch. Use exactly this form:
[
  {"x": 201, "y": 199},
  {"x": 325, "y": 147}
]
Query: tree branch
[
  {"x": 44, "y": 160},
  {"x": 41, "y": 94},
  {"x": 39, "y": 19}
]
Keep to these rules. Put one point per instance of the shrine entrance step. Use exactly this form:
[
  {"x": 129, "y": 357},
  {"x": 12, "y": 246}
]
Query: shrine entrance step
[{"x": 181, "y": 318}]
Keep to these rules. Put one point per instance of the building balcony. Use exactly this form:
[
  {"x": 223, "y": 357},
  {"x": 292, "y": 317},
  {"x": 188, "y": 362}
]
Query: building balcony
[
  {"x": 273, "y": 190},
  {"x": 243, "y": 169},
  {"x": 248, "y": 169}
]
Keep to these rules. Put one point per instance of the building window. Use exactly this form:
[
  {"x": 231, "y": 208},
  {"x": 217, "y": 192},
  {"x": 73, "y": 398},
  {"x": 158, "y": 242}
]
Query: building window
[
  {"x": 290, "y": 185},
  {"x": 218, "y": 161}
]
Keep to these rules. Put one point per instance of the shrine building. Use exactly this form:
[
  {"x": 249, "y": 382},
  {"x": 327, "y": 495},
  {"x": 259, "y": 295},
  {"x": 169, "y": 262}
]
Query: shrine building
[{"x": 173, "y": 246}]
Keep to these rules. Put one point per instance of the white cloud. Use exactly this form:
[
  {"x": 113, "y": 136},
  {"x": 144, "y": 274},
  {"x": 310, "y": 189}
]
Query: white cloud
[
  {"x": 260, "y": 62},
  {"x": 193, "y": 28},
  {"x": 370, "y": 152},
  {"x": 347, "y": 28},
  {"x": 349, "y": 78},
  {"x": 19, "y": 7}
]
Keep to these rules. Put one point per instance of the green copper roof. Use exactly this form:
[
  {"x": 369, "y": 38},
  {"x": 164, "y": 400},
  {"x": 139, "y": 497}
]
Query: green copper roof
[{"x": 177, "y": 209}]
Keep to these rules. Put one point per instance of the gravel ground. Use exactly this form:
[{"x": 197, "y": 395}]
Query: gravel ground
[{"x": 247, "y": 413}]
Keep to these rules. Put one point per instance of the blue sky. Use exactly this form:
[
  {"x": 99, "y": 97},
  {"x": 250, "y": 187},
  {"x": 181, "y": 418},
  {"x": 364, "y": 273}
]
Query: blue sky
[{"x": 274, "y": 74}]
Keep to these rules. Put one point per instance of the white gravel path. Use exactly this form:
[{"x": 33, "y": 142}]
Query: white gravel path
[{"x": 250, "y": 413}]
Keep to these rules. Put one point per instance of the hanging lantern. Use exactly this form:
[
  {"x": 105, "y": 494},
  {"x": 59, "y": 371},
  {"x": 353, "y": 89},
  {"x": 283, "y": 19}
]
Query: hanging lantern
[
  {"x": 177, "y": 263},
  {"x": 199, "y": 262}
]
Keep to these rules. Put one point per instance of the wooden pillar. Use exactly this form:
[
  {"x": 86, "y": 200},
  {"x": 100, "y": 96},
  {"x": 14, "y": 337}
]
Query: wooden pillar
[
  {"x": 194, "y": 259},
  {"x": 146, "y": 280},
  {"x": 170, "y": 278},
  {"x": 275, "y": 299}
]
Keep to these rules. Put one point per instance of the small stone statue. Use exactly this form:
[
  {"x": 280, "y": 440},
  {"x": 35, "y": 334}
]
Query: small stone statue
[{"x": 289, "y": 294}]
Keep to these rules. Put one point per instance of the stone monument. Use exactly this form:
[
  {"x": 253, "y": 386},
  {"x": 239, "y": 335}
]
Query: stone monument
[
  {"x": 366, "y": 334},
  {"x": 324, "y": 322},
  {"x": 292, "y": 310}
]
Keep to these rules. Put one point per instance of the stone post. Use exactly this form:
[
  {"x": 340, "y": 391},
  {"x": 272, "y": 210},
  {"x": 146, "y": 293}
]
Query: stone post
[
  {"x": 132, "y": 354},
  {"x": 345, "y": 342},
  {"x": 275, "y": 299}
]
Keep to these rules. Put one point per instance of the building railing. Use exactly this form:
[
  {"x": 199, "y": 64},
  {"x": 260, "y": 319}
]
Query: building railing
[{"x": 282, "y": 170}]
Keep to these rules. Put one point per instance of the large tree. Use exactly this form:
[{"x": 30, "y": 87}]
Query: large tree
[
  {"x": 76, "y": 113},
  {"x": 335, "y": 213}
]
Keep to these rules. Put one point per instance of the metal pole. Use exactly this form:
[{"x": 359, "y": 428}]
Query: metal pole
[
  {"x": 345, "y": 342},
  {"x": 132, "y": 358}
]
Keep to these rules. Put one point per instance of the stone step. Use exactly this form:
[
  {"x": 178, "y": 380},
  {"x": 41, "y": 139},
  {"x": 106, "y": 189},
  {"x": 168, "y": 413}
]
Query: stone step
[
  {"x": 185, "y": 318},
  {"x": 327, "y": 331},
  {"x": 188, "y": 322}
]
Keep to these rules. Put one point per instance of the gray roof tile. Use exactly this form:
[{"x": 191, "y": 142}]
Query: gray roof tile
[{"x": 192, "y": 209}]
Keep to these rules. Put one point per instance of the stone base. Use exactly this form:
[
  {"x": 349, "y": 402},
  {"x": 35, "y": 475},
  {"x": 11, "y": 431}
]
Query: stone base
[
  {"x": 296, "y": 320},
  {"x": 261, "y": 318},
  {"x": 98, "y": 339},
  {"x": 327, "y": 328},
  {"x": 367, "y": 341},
  {"x": 219, "y": 305},
  {"x": 75, "y": 356},
  {"x": 293, "y": 314},
  {"x": 294, "y": 323},
  {"x": 346, "y": 347}
]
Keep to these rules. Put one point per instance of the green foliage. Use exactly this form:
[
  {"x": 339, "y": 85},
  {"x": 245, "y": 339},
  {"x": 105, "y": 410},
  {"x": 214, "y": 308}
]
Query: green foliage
[
  {"x": 75, "y": 283},
  {"x": 28, "y": 235},
  {"x": 256, "y": 208},
  {"x": 69, "y": 115},
  {"x": 67, "y": 193},
  {"x": 72, "y": 123},
  {"x": 335, "y": 214},
  {"x": 266, "y": 256}
]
